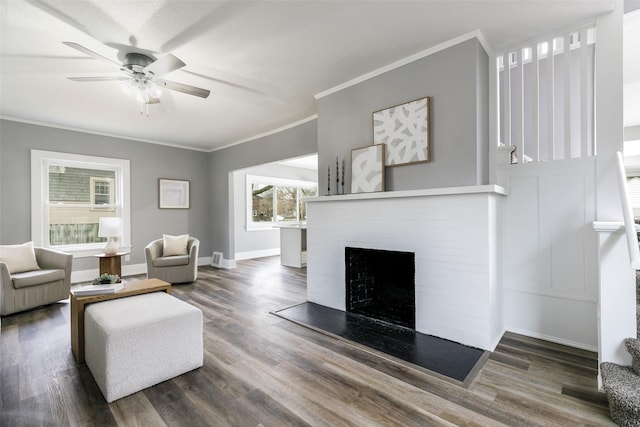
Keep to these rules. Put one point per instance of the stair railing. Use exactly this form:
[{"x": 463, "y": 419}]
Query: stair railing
[{"x": 627, "y": 214}]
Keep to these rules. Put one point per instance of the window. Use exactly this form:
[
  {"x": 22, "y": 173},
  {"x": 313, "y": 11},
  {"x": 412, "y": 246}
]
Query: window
[
  {"x": 274, "y": 200},
  {"x": 262, "y": 202},
  {"x": 102, "y": 191},
  {"x": 69, "y": 195}
]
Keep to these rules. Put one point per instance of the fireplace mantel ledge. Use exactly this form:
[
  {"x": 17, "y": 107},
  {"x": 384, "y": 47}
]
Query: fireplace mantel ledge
[{"x": 446, "y": 191}]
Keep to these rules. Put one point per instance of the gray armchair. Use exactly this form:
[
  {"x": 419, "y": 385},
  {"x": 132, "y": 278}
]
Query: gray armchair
[
  {"x": 30, "y": 289},
  {"x": 172, "y": 269}
]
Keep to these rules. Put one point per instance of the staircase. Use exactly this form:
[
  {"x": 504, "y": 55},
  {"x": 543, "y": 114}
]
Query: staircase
[
  {"x": 622, "y": 383},
  {"x": 622, "y": 386}
]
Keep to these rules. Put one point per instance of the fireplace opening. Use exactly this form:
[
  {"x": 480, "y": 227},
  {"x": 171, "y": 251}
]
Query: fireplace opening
[{"x": 381, "y": 284}]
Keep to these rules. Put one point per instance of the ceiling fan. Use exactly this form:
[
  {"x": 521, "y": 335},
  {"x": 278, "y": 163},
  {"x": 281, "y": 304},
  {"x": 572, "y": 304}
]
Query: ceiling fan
[{"x": 142, "y": 75}]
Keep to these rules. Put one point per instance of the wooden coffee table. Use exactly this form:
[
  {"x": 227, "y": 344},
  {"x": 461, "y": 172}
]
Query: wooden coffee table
[{"x": 78, "y": 304}]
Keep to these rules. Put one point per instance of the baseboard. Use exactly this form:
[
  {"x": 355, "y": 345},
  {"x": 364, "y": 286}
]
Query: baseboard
[
  {"x": 556, "y": 340},
  {"x": 228, "y": 263},
  {"x": 127, "y": 270},
  {"x": 257, "y": 254}
]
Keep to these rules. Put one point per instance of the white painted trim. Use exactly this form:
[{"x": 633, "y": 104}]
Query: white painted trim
[
  {"x": 590, "y": 23},
  {"x": 611, "y": 226},
  {"x": 494, "y": 120},
  {"x": 204, "y": 261},
  {"x": 88, "y": 253},
  {"x": 95, "y": 132},
  {"x": 228, "y": 263},
  {"x": 39, "y": 193},
  {"x": 444, "y": 191},
  {"x": 484, "y": 43},
  {"x": 271, "y": 132},
  {"x": 553, "y": 339},
  {"x": 627, "y": 214},
  {"x": 477, "y": 34},
  {"x": 257, "y": 254},
  {"x": 546, "y": 293}
]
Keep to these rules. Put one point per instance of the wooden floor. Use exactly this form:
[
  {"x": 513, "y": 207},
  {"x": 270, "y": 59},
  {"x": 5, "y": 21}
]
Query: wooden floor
[{"x": 261, "y": 370}]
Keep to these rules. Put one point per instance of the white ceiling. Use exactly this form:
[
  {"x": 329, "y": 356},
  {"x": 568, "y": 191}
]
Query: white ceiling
[
  {"x": 262, "y": 60},
  {"x": 305, "y": 162}
]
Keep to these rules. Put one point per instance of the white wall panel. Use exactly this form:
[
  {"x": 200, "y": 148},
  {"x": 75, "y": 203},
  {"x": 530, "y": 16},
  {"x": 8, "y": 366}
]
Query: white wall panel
[
  {"x": 550, "y": 259},
  {"x": 567, "y": 321}
]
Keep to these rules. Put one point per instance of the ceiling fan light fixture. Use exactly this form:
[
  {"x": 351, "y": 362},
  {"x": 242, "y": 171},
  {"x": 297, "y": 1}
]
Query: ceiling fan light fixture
[
  {"x": 125, "y": 86},
  {"x": 144, "y": 76},
  {"x": 142, "y": 88},
  {"x": 154, "y": 89},
  {"x": 142, "y": 96}
]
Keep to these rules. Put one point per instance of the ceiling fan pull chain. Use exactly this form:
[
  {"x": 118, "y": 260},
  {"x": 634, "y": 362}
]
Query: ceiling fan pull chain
[{"x": 143, "y": 106}]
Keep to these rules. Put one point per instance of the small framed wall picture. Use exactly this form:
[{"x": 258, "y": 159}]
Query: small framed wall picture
[
  {"x": 367, "y": 169},
  {"x": 173, "y": 194}
]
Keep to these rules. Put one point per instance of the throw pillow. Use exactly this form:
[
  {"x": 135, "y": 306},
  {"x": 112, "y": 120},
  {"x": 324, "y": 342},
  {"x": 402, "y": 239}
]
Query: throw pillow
[
  {"x": 19, "y": 258},
  {"x": 174, "y": 245}
]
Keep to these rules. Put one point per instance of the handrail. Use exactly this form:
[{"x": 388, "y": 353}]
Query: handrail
[{"x": 627, "y": 214}]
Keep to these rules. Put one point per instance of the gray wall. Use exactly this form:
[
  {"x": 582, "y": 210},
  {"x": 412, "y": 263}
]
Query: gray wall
[
  {"x": 457, "y": 81},
  {"x": 148, "y": 162},
  {"x": 293, "y": 142},
  {"x": 482, "y": 115},
  {"x": 455, "y": 78}
]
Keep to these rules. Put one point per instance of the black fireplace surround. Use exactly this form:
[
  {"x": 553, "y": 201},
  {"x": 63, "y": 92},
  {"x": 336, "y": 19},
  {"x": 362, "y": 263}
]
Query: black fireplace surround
[{"x": 380, "y": 284}]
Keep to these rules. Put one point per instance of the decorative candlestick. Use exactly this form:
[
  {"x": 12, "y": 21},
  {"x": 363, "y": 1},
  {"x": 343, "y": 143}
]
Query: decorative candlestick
[
  {"x": 337, "y": 176},
  {"x": 342, "y": 176}
]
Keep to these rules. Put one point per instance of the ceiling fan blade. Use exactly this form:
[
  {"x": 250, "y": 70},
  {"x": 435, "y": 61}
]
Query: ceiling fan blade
[
  {"x": 181, "y": 87},
  {"x": 91, "y": 53},
  {"x": 97, "y": 79},
  {"x": 164, "y": 65}
]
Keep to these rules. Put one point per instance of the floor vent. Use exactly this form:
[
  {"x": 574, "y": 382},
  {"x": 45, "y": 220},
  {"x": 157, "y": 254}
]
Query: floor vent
[{"x": 216, "y": 259}]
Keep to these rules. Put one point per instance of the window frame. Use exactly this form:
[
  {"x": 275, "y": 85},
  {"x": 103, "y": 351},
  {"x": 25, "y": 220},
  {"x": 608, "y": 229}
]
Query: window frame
[
  {"x": 250, "y": 225},
  {"x": 40, "y": 161}
]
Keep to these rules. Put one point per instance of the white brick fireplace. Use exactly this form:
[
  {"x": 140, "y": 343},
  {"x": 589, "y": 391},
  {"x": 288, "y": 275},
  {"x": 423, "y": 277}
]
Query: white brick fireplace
[{"x": 453, "y": 233}]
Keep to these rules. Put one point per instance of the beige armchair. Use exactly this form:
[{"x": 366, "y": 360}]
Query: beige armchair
[
  {"x": 175, "y": 268},
  {"x": 30, "y": 289}
]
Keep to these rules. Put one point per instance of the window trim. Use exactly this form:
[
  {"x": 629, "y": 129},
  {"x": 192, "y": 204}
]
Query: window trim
[
  {"x": 40, "y": 191},
  {"x": 261, "y": 179}
]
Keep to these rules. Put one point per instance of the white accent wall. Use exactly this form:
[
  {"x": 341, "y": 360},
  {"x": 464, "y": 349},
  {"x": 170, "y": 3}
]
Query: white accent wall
[
  {"x": 550, "y": 273},
  {"x": 453, "y": 233}
]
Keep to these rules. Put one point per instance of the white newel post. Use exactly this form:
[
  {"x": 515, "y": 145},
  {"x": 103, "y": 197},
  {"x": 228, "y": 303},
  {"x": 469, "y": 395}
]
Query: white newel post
[{"x": 617, "y": 294}]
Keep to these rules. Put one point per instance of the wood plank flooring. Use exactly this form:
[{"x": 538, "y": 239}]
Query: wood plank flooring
[{"x": 261, "y": 370}]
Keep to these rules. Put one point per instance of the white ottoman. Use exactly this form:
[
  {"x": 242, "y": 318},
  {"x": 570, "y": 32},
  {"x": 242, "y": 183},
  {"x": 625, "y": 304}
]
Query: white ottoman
[{"x": 135, "y": 342}]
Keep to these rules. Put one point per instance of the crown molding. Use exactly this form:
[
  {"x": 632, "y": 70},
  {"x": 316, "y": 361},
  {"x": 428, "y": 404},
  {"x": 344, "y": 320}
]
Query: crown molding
[
  {"x": 95, "y": 132},
  {"x": 271, "y": 132},
  {"x": 477, "y": 34}
]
